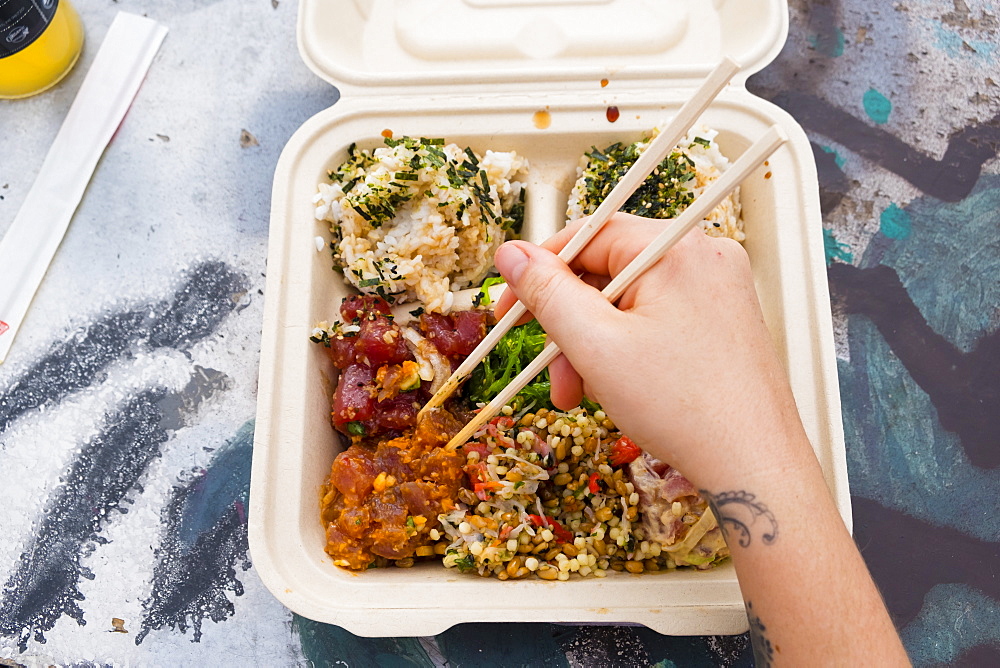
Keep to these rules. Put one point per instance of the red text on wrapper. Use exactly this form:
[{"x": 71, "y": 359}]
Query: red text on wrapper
[{"x": 3, "y": 327}]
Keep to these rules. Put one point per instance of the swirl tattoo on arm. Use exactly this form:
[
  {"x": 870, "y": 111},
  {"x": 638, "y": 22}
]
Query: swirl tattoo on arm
[{"x": 741, "y": 515}]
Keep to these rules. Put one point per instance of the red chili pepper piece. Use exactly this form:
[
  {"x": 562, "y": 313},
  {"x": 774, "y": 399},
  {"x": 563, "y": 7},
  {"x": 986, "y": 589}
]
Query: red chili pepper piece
[
  {"x": 624, "y": 451},
  {"x": 558, "y": 530},
  {"x": 592, "y": 485}
]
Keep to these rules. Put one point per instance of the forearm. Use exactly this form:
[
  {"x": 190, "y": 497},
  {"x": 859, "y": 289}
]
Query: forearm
[{"x": 809, "y": 596}]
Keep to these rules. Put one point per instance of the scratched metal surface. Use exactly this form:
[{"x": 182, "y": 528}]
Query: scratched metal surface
[{"x": 126, "y": 406}]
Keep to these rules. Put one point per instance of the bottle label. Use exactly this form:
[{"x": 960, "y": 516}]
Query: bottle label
[{"x": 22, "y": 22}]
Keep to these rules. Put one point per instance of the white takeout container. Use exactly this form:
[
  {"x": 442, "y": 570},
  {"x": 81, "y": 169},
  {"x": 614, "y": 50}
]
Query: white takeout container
[{"x": 476, "y": 72}]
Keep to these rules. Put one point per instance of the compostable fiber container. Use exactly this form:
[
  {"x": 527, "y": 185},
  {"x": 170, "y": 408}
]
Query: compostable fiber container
[{"x": 537, "y": 78}]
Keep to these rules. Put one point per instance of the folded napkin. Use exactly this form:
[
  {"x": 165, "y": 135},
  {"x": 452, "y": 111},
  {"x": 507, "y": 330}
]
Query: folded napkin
[{"x": 107, "y": 91}]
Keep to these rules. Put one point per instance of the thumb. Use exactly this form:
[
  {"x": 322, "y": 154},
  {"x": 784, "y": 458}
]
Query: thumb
[{"x": 565, "y": 306}]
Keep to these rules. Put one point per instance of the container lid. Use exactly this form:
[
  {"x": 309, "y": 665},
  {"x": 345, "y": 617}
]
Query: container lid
[{"x": 395, "y": 46}]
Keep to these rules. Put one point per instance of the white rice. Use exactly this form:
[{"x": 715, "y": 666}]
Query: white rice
[
  {"x": 440, "y": 228},
  {"x": 709, "y": 163}
]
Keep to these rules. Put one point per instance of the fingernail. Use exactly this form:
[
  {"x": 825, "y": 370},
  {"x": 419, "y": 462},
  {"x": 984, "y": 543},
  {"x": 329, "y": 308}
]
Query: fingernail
[{"x": 511, "y": 260}]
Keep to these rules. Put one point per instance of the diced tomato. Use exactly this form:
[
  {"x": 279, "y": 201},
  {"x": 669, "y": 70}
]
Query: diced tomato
[
  {"x": 353, "y": 400},
  {"x": 624, "y": 451},
  {"x": 592, "y": 485},
  {"x": 478, "y": 447},
  {"x": 558, "y": 530},
  {"x": 503, "y": 422},
  {"x": 496, "y": 425}
]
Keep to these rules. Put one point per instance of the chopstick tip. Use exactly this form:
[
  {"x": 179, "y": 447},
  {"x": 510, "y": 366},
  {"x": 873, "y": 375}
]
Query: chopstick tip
[
  {"x": 777, "y": 134},
  {"x": 731, "y": 63}
]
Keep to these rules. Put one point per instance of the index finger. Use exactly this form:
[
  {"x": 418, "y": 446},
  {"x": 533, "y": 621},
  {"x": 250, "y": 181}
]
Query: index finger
[{"x": 616, "y": 244}]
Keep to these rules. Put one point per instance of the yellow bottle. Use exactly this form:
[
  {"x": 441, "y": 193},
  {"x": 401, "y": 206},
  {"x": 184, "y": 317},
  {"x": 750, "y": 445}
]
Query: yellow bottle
[{"x": 40, "y": 41}]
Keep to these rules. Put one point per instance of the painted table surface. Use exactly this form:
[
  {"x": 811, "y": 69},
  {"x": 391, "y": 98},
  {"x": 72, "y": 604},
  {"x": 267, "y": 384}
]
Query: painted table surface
[{"x": 127, "y": 403}]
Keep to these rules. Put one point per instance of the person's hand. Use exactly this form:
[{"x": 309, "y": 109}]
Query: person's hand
[{"x": 684, "y": 364}]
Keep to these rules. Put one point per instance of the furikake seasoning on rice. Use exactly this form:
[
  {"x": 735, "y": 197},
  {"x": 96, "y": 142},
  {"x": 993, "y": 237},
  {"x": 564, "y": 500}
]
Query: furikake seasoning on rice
[
  {"x": 417, "y": 219},
  {"x": 673, "y": 185}
]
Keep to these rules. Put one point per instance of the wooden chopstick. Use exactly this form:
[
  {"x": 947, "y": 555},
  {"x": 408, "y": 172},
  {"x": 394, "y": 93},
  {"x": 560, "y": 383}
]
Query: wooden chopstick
[
  {"x": 652, "y": 156},
  {"x": 675, "y": 229}
]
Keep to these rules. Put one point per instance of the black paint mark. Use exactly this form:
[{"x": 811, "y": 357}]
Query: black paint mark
[
  {"x": 950, "y": 179},
  {"x": 689, "y": 651},
  {"x": 964, "y": 387},
  {"x": 833, "y": 183},
  {"x": 731, "y": 651},
  {"x": 824, "y": 19},
  {"x": 72, "y": 365},
  {"x": 763, "y": 651},
  {"x": 210, "y": 292},
  {"x": 739, "y": 512},
  {"x": 907, "y": 557},
  {"x": 206, "y": 535},
  {"x": 44, "y": 585},
  {"x": 608, "y": 646}
]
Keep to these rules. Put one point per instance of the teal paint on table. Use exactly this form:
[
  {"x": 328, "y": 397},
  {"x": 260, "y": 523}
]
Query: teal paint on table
[
  {"x": 504, "y": 645},
  {"x": 898, "y": 452},
  {"x": 835, "y": 250},
  {"x": 957, "y": 46},
  {"x": 838, "y": 159},
  {"x": 954, "y": 618},
  {"x": 951, "y": 265},
  {"x": 894, "y": 222},
  {"x": 877, "y": 106},
  {"x": 830, "y": 44}
]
